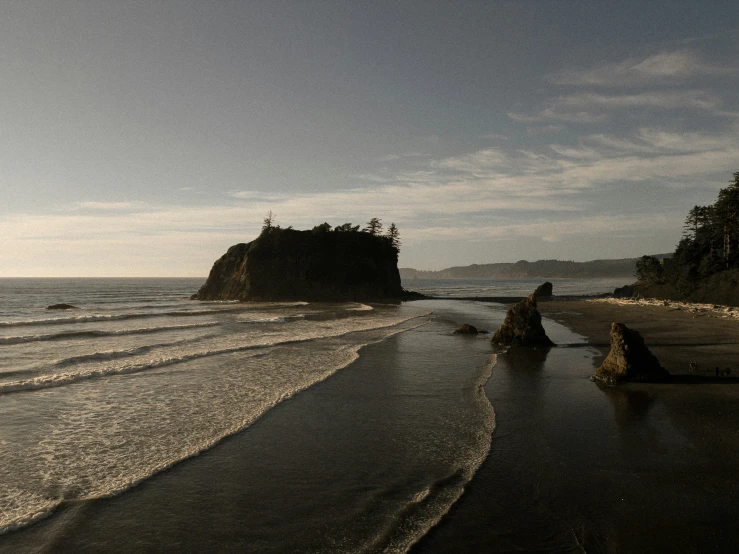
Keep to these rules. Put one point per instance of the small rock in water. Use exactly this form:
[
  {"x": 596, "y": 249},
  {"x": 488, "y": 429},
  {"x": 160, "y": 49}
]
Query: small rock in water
[
  {"x": 629, "y": 359},
  {"x": 62, "y": 307},
  {"x": 466, "y": 329}
]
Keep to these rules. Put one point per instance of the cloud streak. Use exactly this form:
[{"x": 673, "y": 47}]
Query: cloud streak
[{"x": 660, "y": 68}]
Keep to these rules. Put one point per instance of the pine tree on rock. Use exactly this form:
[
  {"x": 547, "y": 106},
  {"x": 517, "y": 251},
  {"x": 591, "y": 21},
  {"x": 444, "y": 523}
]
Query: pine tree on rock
[
  {"x": 374, "y": 226},
  {"x": 393, "y": 236}
]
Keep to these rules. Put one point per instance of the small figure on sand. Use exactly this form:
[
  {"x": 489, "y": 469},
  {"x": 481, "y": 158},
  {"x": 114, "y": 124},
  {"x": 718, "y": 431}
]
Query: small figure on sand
[
  {"x": 692, "y": 367},
  {"x": 718, "y": 372}
]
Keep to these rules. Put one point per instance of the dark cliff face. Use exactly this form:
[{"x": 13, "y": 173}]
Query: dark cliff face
[{"x": 284, "y": 264}]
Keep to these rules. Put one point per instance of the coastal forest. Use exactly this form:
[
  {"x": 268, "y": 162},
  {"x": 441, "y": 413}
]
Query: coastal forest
[
  {"x": 373, "y": 228},
  {"x": 705, "y": 265}
]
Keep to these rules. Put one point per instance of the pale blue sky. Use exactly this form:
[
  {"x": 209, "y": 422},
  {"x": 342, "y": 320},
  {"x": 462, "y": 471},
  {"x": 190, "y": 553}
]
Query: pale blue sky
[{"x": 144, "y": 138}]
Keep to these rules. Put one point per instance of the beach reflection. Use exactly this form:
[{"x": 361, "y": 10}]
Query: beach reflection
[
  {"x": 531, "y": 360},
  {"x": 630, "y": 406}
]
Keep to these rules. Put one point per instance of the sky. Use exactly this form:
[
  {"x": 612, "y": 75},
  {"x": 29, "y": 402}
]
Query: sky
[{"x": 145, "y": 138}]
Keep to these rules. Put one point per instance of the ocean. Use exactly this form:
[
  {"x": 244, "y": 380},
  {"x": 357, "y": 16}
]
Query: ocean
[
  {"x": 512, "y": 287},
  {"x": 97, "y": 402}
]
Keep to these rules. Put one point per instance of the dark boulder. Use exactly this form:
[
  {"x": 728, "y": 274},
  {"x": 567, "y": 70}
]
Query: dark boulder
[
  {"x": 466, "y": 329},
  {"x": 545, "y": 289},
  {"x": 627, "y": 291},
  {"x": 522, "y": 326},
  {"x": 629, "y": 359},
  {"x": 62, "y": 307}
]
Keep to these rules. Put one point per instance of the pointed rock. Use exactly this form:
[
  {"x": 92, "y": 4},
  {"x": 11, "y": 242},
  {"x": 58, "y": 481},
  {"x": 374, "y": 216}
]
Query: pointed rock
[
  {"x": 544, "y": 290},
  {"x": 629, "y": 359},
  {"x": 522, "y": 326}
]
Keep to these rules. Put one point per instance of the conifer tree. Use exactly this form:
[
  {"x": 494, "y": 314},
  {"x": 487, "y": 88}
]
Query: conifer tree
[
  {"x": 268, "y": 221},
  {"x": 374, "y": 226},
  {"x": 393, "y": 236}
]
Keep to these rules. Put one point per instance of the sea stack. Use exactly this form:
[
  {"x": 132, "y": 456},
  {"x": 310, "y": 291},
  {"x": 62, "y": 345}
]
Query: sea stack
[
  {"x": 629, "y": 359},
  {"x": 318, "y": 265},
  {"x": 522, "y": 326},
  {"x": 544, "y": 290}
]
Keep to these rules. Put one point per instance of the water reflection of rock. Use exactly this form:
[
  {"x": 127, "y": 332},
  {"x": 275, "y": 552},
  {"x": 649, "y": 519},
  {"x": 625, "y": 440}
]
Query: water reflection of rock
[
  {"x": 530, "y": 359},
  {"x": 630, "y": 406}
]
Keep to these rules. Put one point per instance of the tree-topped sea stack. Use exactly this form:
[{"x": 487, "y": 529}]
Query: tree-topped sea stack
[
  {"x": 629, "y": 359},
  {"x": 343, "y": 264},
  {"x": 522, "y": 326}
]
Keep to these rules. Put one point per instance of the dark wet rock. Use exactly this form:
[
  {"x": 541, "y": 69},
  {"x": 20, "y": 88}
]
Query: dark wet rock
[
  {"x": 627, "y": 291},
  {"x": 543, "y": 290},
  {"x": 286, "y": 264},
  {"x": 466, "y": 329},
  {"x": 62, "y": 307},
  {"x": 629, "y": 359},
  {"x": 522, "y": 326}
]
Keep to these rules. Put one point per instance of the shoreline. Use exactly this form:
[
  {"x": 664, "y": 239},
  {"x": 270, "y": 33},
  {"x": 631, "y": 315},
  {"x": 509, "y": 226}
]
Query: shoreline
[
  {"x": 676, "y": 333},
  {"x": 575, "y": 466},
  {"x": 372, "y": 456},
  {"x": 570, "y": 466}
]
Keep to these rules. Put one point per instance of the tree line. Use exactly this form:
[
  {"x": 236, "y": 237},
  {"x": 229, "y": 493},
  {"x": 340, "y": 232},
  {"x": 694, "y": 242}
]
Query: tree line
[
  {"x": 710, "y": 244},
  {"x": 373, "y": 227}
]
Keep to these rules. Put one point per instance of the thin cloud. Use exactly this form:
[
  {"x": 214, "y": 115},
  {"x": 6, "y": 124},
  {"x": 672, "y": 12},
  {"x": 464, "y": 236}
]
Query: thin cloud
[
  {"x": 664, "y": 100},
  {"x": 589, "y": 107},
  {"x": 555, "y": 114},
  {"x": 545, "y": 130},
  {"x": 395, "y": 157},
  {"x": 92, "y": 205},
  {"x": 666, "y": 66}
]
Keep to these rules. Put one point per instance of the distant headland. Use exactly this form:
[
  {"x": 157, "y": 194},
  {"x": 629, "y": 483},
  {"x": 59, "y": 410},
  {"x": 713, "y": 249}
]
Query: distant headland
[
  {"x": 325, "y": 263},
  {"x": 625, "y": 267}
]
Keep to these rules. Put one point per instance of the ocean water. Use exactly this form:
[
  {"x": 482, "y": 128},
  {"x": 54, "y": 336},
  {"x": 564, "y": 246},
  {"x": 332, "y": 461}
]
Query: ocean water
[
  {"x": 95, "y": 400},
  {"x": 511, "y": 287},
  {"x": 140, "y": 379}
]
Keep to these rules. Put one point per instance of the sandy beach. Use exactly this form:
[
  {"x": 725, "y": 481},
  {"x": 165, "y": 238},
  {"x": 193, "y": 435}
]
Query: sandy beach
[{"x": 676, "y": 333}]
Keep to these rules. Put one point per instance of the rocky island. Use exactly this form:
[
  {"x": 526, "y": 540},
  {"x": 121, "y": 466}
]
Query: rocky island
[{"x": 343, "y": 264}]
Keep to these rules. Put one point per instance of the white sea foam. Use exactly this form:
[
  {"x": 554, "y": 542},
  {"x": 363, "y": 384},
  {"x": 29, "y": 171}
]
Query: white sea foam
[
  {"x": 103, "y": 436},
  {"x": 360, "y": 308},
  {"x": 430, "y": 504},
  {"x": 178, "y": 353},
  {"x": 116, "y": 317},
  {"x": 19, "y": 508},
  {"x": 67, "y": 335}
]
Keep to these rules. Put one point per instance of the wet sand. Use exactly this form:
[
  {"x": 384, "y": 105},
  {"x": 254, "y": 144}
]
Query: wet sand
[{"x": 576, "y": 467}]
